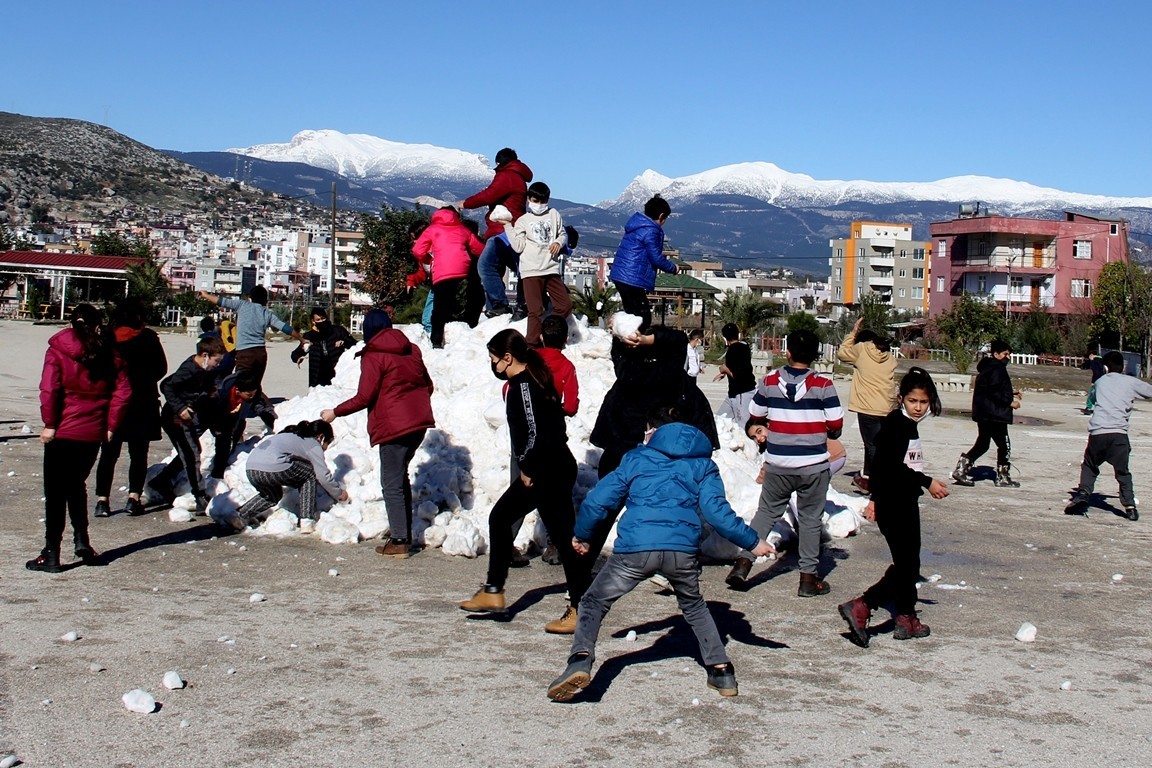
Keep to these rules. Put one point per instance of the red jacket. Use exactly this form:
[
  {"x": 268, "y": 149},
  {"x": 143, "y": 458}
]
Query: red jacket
[
  {"x": 451, "y": 244},
  {"x": 564, "y": 377},
  {"x": 71, "y": 403},
  {"x": 394, "y": 386},
  {"x": 509, "y": 188}
]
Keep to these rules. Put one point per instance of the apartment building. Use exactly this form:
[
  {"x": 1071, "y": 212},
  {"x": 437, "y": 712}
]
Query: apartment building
[{"x": 879, "y": 258}]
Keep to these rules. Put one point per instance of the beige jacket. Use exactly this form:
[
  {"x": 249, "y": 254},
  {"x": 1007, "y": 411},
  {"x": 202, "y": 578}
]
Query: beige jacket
[
  {"x": 874, "y": 383},
  {"x": 531, "y": 236}
]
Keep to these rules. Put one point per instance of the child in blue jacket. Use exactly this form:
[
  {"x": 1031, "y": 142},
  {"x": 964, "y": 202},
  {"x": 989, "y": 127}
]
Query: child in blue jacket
[
  {"x": 640, "y": 254},
  {"x": 669, "y": 484}
]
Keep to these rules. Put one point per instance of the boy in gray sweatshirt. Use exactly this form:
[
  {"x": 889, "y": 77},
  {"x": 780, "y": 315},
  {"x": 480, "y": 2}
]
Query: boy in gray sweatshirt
[{"x": 1108, "y": 436}]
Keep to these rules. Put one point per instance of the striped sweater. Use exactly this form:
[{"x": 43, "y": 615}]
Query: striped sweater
[{"x": 803, "y": 411}]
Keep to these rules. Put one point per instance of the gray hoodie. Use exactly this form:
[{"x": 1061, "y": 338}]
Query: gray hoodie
[
  {"x": 276, "y": 453},
  {"x": 1115, "y": 393}
]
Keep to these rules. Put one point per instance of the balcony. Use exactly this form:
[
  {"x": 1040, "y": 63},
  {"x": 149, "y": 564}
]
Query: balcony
[
  {"x": 881, "y": 281},
  {"x": 881, "y": 262}
]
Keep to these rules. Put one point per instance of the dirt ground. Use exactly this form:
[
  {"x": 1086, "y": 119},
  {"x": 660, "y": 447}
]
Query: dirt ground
[{"x": 377, "y": 666}]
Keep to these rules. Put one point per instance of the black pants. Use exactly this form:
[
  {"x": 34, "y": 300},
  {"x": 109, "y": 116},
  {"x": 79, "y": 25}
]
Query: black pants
[
  {"x": 445, "y": 307},
  {"x": 1114, "y": 449},
  {"x": 67, "y": 464},
  {"x": 989, "y": 432},
  {"x": 270, "y": 489},
  {"x": 137, "y": 465},
  {"x": 869, "y": 428},
  {"x": 634, "y": 301},
  {"x": 551, "y": 495},
  {"x": 186, "y": 440},
  {"x": 899, "y": 521}
]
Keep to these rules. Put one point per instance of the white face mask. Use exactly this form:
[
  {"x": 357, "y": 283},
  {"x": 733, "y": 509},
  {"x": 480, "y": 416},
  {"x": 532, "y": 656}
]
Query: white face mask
[
  {"x": 904, "y": 411},
  {"x": 538, "y": 208}
]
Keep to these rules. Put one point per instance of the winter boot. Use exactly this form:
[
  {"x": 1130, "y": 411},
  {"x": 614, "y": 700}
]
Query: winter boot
[
  {"x": 102, "y": 509},
  {"x": 737, "y": 578},
  {"x": 134, "y": 507},
  {"x": 960, "y": 474},
  {"x": 1078, "y": 505},
  {"x": 1004, "y": 477},
  {"x": 857, "y": 613},
  {"x": 83, "y": 549},
  {"x": 398, "y": 548},
  {"x": 565, "y": 625},
  {"x": 48, "y": 561},
  {"x": 908, "y": 627},
  {"x": 576, "y": 677},
  {"x": 551, "y": 555},
  {"x": 811, "y": 586},
  {"x": 723, "y": 679},
  {"x": 488, "y": 599}
]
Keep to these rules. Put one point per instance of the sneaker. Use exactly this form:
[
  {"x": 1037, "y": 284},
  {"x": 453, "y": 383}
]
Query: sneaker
[
  {"x": 496, "y": 311},
  {"x": 737, "y": 578},
  {"x": 397, "y": 548},
  {"x": 575, "y": 678},
  {"x": 518, "y": 314},
  {"x": 565, "y": 625},
  {"x": 857, "y": 613},
  {"x": 307, "y": 526},
  {"x": 860, "y": 483},
  {"x": 48, "y": 562},
  {"x": 1078, "y": 505},
  {"x": 1132, "y": 513},
  {"x": 134, "y": 507},
  {"x": 723, "y": 679},
  {"x": 811, "y": 586},
  {"x": 102, "y": 509},
  {"x": 87, "y": 555},
  {"x": 201, "y": 506},
  {"x": 661, "y": 581},
  {"x": 488, "y": 599},
  {"x": 908, "y": 627}
]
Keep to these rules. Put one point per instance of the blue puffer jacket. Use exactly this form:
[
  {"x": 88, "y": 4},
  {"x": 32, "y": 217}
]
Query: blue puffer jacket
[
  {"x": 668, "y": 484},
  {"x": 640, "y": 254}
]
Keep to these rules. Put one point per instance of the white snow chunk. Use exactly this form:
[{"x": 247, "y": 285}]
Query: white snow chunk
[
  {"x": 27, "y": 430},
  {"x": 231, "y": 671},
  {"x": 180, "y": 514},
  {"x": 695, "y": 702},
  {"x": 631, "y": 636},
  {"x": 1066, "y": 685},
  {"x": 10, "y": 760},
  {"x": 184, "y": 723},
  {"x": 139, "y": 701},
  {"x": 337, "y": 531},
  {"x": 12, "y": 473},
  {"x": 1117, "y": 577},
  {"x": 257, "y": 597},
  {"x": 333, "y": 572},
  {"x": 70, "y": 637},
  {"x": 173, "y": 681},
  {"x": 223, "y": 639},
  {"x": 94, "y": 667},
  {"x": 1026, "y": 633}
]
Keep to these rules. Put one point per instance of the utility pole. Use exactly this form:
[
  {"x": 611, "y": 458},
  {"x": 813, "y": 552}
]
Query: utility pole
[{"x": 332, "y": 262}]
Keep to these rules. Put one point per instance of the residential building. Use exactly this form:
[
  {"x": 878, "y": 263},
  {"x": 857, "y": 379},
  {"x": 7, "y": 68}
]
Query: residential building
[
  {"x": 879, "y": 258},
  {"x": 1019, "y": 262}
]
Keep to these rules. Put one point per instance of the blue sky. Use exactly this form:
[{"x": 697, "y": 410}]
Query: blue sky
[{"x": 593, "y": 93}]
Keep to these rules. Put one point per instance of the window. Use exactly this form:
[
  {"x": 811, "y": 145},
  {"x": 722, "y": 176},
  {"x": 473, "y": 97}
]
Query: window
[
  {"x": 981, "y": 285},
  {"x": 901, "y": 293},
  {"x": 1017, "y": 286},
  {"x": 840, "y": 253},
  {"x": 942, "y": 251},
  {"x": 903, "y": 273},
  {"x": 918, "y": 254},
  {"x": 939, "y": 285},
  {"x": 860, "y": 272},
  {"x": 903, "y": 253},
  {"x": 1081, "y": 289},
  {"x": 861, "y": 252},
  {"x": 918, "y": 292},
  {"x": 918, "y": 273},
  {"x": 1082, "y": 249},
  {"x": 1114, "y": 229},
  {"x": 839, "y": 292}
]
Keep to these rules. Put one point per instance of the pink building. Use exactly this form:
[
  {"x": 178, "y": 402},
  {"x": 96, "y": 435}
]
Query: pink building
[{"x": 1054, "y": 263}]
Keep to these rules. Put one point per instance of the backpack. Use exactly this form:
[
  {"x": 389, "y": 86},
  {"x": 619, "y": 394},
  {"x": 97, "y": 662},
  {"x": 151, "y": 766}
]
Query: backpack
[{"x": 573, "y": 237}]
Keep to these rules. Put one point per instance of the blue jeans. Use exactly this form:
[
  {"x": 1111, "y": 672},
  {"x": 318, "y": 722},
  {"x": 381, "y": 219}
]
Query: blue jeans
[
  {"x": 426, "y": 317},
  {"x": 494, "y": 259},
  {"x": 623, "y": 572}
]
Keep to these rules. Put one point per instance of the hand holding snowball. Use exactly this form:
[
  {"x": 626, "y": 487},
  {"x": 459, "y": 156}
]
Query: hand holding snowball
[
  {"x": 328, "y": 415},
  {"x": 763, "y": 549}
]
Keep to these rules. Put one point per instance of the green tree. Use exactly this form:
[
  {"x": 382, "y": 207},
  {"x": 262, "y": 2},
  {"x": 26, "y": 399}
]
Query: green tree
[
  {"x": 595, "y": 303},
  {"x": 802, "y": 321},
  {"x": 385, "y": 253},
  {"x": 877, "y": 314},
  {"x": 965, "y": 326},
  {"x": 147, "y": 282},
  {"x": 748, "y": 311},
  {"x": 1036, "y": 333},
  {"x": 115, "y": 244}
]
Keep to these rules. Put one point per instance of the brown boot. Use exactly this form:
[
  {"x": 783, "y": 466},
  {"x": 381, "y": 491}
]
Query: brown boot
[
  {"x": 857, "y": 613},
  {"x": 399, "y": 548},
  {"x": 565, "y": 625},
  {"x": 908, "y": 627},
  {"x": 488, "y": 599},
  {"x": 737, "y": 578},
  {"x": 811, "y": 586}
]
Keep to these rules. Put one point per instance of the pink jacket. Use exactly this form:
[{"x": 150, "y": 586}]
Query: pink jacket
[
  {"x": 73, "y": 404},
  {"x": 451, "y": 244}
]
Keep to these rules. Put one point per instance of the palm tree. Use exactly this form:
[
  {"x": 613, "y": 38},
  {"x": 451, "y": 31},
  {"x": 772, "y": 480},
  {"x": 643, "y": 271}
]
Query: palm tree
[
  {"x": 146, "y": 282},
  {"x": 595, "y": 302},
  {"x": 748, "y": 311}
]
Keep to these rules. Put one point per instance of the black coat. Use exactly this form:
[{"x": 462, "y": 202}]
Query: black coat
[
  {"x": 992, "y": 396},
  {"x": 323, "y": 353},
  {"x": 146, "y": 364}
]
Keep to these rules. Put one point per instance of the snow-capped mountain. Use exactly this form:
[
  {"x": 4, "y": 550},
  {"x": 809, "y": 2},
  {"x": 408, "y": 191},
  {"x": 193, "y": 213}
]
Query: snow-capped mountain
[
  {"x": 360, "y": 156},
  {"x": 771, "y": 184}
]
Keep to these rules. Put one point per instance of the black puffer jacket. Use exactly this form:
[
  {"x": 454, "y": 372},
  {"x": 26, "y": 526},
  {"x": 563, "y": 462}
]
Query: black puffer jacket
[
  {"x": 992, "y": 395},
  {"x": 327, "y": 345}
]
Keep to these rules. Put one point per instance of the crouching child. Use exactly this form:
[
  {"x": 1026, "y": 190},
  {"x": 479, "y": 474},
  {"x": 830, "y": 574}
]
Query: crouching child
[{"x": 668, "y": 484}]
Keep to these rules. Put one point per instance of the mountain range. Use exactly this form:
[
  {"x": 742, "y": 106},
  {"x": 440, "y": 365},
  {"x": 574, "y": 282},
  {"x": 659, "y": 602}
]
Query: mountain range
[{"x": 749, "y": 214}]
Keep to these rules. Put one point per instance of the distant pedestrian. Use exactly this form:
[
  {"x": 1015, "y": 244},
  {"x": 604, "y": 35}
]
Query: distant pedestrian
[
  {"x": 993, "y": 401},
  {"x": 1095, "y": 364},
  {"x": 1108, "y": 436},
  {"x": 694, "y": 362},
  {"x": 84, "y": 396},
  {"x": 509, "y": 188},
  {"x": 323, "y": 345},
  {"x": 640, "y": 254},
  {"x": 538, "y": 237},
  {"x": 146, "y": 364},
  {"x": 873, "y": 387},
  {"x": 396, "y": 390},
  {"x": 737, "y": 368},
  {"x": 898, "y": 470},
  {"x": 452, "y": 248}
]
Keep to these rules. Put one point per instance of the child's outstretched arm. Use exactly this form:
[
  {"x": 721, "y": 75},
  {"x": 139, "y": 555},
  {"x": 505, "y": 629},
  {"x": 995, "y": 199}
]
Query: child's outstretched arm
[
  {"x": 715, "y": 509},
  {"x": 607, "y": 496}
]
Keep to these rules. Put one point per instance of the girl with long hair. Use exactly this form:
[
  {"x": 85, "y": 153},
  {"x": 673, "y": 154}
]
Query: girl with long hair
[{"x": 547, "y": 473}]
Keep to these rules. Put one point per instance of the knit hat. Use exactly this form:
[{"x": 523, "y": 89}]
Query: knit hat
[{"x": 375, "y": 321}]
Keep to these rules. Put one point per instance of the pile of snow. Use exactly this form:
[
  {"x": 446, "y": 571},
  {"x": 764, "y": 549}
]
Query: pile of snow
[{"x": 462, "y": 467}]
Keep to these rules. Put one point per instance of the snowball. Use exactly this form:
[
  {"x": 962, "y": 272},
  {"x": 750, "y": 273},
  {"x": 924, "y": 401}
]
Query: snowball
[
  {"x": 94, "y": 667},
  {"x": 139, "y": 701},
  {"x": 10, "y": 760},
  {"x": 625, "y": 325},
  {"x": 70, "y": 637},
  {"x": 173, "y": 681},
  {"x": 1117, "y": 577},
  {"x": 180, "y": 514},
  {"x": 1026, "y": 633},
  {"x": 333, "y": 572},
  {"x": 1066, "y": 685},
  {"x": 257, "y": 597},
  {"x": 631, "y": 636}
]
